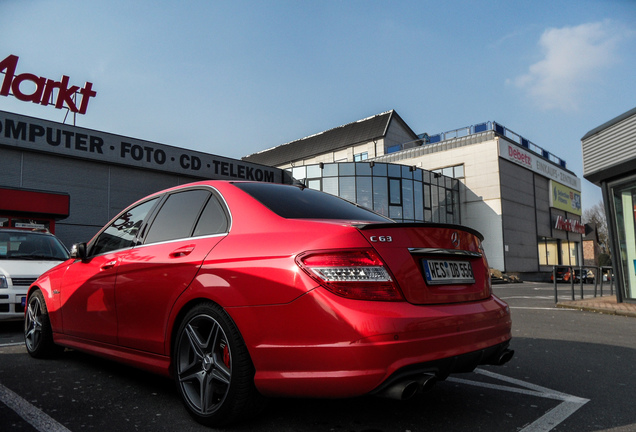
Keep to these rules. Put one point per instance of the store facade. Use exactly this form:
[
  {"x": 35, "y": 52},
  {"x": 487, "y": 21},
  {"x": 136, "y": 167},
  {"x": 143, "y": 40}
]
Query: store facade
[
  {"x": 73, "y": 180},
  {"x": 609, "y": 160}
]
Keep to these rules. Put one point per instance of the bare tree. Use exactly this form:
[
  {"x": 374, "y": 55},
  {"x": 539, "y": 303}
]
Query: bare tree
[{"x": 596, "y": 215}]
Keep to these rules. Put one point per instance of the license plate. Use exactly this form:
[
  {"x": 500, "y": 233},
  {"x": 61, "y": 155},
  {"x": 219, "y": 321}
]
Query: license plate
[
  {"x": 448, "y": 272},
  {"x": 23, "y": 301}
]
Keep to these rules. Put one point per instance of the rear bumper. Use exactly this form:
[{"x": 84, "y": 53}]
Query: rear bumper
[
  {"x": 322, "y": 345},
  {"x": 442, "y": 368}
]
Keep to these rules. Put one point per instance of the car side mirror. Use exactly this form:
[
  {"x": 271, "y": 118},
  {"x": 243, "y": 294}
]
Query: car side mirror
[{"x": 78, "y": 251}]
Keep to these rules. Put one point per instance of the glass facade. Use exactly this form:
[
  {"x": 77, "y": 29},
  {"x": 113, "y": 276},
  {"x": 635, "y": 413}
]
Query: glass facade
[
  {"x": 403, "y": 193},
  {"x": 624, "y": 202}
]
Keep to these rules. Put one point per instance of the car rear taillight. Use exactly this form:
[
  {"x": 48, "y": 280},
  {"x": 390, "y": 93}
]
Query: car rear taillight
[{"x": 354, "y": 274}]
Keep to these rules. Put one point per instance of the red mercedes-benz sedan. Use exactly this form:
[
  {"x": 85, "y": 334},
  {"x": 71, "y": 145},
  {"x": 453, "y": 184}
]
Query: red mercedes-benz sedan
[{"x": 240, "y": 290}]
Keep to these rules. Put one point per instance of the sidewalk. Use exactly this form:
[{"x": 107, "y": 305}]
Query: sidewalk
[{"x": 604, "y": 305}]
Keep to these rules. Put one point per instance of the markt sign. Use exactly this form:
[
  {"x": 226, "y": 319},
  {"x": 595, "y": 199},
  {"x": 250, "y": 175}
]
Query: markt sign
[
  {"x": 571, "y": 225},
  {"x": 47, "y": 91}
]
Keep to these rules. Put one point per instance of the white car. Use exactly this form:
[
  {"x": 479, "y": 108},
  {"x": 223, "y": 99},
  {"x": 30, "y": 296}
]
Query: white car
[{"x": 24, "y": 255}]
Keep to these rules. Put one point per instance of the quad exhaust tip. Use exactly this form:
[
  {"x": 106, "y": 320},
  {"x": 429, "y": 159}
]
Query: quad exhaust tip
[
  {"x": 504, "y": 357},
  {"x": 407, "y": 388}
]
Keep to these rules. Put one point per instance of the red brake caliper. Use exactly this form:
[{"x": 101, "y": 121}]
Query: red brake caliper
[{"x": 226, "y": 355}]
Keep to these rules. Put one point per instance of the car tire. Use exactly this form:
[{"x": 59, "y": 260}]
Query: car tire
[
  {"x": 38, "y": 334},
  {"x": 212, "y": 368}
]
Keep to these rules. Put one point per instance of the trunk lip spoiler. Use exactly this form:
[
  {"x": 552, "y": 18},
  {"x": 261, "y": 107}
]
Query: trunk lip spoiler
[
  {"x": 444, "y": 252},
  {"x": 380, "y": 225}
]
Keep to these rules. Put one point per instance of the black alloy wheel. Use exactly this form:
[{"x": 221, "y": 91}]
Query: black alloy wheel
[
  {"x": 212, "y": 367},
  {"x": 38, "y": 334}
]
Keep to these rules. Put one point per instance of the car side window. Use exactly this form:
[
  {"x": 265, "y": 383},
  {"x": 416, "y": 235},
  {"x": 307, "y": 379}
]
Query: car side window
[
  {"x": 177, "y": 216},
  {"x": 213, "y": 220},
  {"x": 122, "y": 233}
]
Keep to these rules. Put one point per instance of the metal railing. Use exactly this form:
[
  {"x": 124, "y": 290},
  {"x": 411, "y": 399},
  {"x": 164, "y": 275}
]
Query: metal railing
[
  {"x": 425, "y": 139},
  {"x": 578, "y": 277}
]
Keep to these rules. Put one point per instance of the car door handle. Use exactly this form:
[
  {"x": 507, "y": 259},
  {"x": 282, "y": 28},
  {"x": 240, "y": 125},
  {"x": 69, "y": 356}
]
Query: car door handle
[
  {"x": 182, "y": 251},
  {"x": 109, "y": 265}
]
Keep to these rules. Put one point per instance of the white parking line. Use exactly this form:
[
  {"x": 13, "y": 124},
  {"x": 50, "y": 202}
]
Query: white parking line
[
  {"x": 11, "y": 344},
  {"x": 32, "y": 415},
  {"x": 568, "y": 406}
]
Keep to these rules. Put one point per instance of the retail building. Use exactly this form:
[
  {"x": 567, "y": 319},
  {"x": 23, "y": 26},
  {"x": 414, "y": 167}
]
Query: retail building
[
  {"x": 73, "y": 180},
  {"x": 521, "y": 197}
]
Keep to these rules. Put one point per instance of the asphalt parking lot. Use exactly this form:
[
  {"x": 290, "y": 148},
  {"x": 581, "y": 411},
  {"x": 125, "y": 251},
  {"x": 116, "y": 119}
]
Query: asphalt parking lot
[{"x": 573, "y": 371}]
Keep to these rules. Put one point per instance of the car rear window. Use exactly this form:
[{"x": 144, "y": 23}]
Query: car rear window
[{"x": 293, "y": 202}]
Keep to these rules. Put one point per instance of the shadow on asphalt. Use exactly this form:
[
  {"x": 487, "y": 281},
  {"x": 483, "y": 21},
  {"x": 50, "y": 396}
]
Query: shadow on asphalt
[{"x": 82, "y": 391}]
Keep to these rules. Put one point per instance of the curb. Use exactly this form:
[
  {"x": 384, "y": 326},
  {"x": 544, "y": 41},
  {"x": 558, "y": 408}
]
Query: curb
[{"x": 601, "y": 310}]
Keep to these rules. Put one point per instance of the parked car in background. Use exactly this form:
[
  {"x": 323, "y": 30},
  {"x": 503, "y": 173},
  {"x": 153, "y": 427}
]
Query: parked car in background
[
  {"x": 563, "y": 274},
  {"x": 585, "y": 274},
  {"x": 240, "y": 290},
  {"x": 566, "y": 274},
  {"x": 24, "y": 255}
]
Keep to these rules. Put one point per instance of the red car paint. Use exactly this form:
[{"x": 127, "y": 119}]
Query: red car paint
[{"x": 304, "y": 338}]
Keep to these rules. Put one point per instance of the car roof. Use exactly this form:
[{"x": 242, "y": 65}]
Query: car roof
[{"x": 25, "y": 230}]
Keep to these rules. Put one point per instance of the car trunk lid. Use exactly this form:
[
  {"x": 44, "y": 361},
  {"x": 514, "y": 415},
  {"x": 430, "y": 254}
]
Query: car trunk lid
[{"x": 432, "y": 263}]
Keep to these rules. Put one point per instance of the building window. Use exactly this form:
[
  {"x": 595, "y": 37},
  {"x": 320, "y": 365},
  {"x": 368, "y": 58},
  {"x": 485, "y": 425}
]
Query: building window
[
  {"x": 364, "y": 195},
  {"x": 314, "y": 184},
  {"x": 418, "y": 200},
  {"x": 330, "y": 170},
  {"x": 406, "y": 172},
  {"x": 395, "y": 212},
  {"x": 361, "y": 156},
  {"x": 314, "y": 171},
  {"x": 548, "y": 251},
  {"x": 427, "y": 196},
  {"x": 380, "y": 195},
  {"x": 380, "y": 170},
  {"x": 348, "y": 188},
  {"x": 407, "y": 200},
  {"x": 455, "y": 171},
  {"x": 363, "y": 169},
  {"x": 330, "y": 185},
  {"x": 299, "y": 173},
  {"x": 346, "y": 169},
  {"x": 395, "y": 170},
  {"x": 458, "y": 171},
  {"x": 395, "y": 192},
  {"x": 568, "y": 253}
]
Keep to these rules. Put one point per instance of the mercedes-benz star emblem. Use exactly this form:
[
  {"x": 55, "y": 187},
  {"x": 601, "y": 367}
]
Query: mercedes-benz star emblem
[{"x": 455, "y": 239}]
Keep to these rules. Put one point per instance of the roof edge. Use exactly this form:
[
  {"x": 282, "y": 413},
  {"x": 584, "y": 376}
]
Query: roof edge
[
  {"x": 390, "y": 112},
  {"x": 610, "y": 123}
]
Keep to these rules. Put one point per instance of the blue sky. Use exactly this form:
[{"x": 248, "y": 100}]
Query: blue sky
[{"x": 236, "y": 77}]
